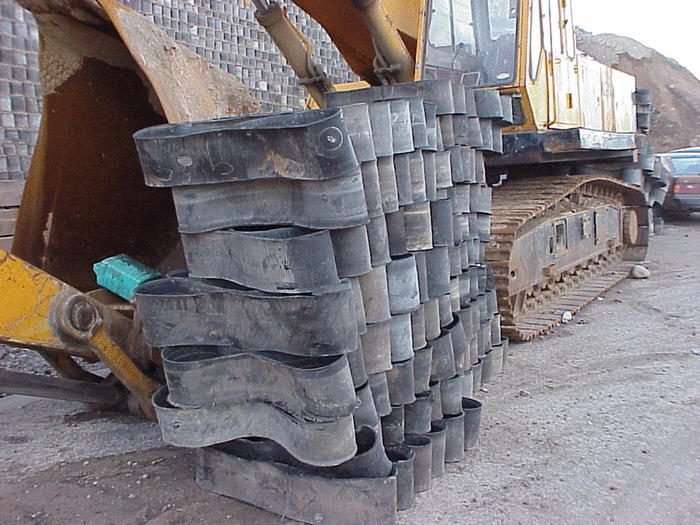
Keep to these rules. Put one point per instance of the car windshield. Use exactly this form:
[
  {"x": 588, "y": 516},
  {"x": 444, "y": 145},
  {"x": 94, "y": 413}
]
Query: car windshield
[
  {"x": 686, "y": 165},
  {"x": 473, "y": 38}
]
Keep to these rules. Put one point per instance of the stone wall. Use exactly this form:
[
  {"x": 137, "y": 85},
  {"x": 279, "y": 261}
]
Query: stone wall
[
  {"x": 225, "y": 33},
  {"x": 20, "y": 93}
]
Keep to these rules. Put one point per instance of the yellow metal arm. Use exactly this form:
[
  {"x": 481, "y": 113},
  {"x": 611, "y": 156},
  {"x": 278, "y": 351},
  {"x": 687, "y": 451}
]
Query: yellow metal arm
[
  {"x": 295, "y": 48},
  {"x": 39, "y": 311},
  {"x": 393, "y": 62}
]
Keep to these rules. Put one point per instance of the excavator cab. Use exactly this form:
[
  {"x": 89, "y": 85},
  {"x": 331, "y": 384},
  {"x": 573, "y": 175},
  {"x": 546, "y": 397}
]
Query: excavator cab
[
  {"x": 472, "y": 42},
  {"x": 528, "y": 48}
]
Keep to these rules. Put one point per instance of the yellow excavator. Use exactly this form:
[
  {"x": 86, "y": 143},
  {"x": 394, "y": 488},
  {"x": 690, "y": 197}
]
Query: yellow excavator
[{"x": 565, "y": 227}]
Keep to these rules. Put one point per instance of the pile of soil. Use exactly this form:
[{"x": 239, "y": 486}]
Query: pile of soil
[{"x": 675, "y": 90}]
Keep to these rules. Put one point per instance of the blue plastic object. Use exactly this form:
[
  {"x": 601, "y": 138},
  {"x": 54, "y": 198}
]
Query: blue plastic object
[{"x": 121, "y": 274}]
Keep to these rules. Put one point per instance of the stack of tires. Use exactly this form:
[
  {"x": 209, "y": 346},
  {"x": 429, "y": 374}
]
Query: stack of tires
[
  {"x": 336, "y": 316},
  {"x": 425, "y": 179}
]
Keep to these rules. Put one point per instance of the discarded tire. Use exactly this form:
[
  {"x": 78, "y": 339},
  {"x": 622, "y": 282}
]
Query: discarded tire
[{"x": 472, "y": 422}]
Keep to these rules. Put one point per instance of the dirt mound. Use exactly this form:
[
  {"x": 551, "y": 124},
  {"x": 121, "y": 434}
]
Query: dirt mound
[{"x": 676, "y": 91}]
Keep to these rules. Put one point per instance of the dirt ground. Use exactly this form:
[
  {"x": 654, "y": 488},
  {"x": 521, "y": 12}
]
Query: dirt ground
[{"x": 595, "y": 423}]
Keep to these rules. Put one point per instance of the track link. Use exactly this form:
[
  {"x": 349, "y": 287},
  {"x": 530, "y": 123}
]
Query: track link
[{"x": 530, "y": 326}]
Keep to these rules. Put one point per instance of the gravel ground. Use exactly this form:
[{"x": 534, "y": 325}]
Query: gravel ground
[
  {"x": 22, "y": 360},
  {"x": 594, "y": 423}
]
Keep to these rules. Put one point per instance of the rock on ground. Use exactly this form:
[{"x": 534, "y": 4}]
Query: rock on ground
[{"x": 640, "y": 272}]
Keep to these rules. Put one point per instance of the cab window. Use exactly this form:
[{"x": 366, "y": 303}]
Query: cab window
[{"x": 475, "y": 38}]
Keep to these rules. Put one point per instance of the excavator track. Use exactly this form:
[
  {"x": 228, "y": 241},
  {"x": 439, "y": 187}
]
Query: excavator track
[
  {"x": 558, "y": 243},
  {"x": 530, "y": 325}
]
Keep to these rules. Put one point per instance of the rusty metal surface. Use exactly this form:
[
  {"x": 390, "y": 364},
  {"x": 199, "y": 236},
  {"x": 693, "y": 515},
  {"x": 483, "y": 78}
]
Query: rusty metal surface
[
  {"x": 100, "y": 86},
  {"x": 295, "y": 48},
  {"x": 60, "y": 388},
  {"x": 99, "y": 177},
  {"x": 353, "y": 37},
  {"x": 531, "y": 324},
  {"x": 39, "y": 311},
  {"x": 106, "y": 332},
  {"x": 169, "y": 65}
]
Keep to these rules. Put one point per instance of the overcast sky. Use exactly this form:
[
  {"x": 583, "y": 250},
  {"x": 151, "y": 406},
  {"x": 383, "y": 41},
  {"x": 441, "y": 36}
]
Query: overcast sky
[{"x": 672, "y": 27}]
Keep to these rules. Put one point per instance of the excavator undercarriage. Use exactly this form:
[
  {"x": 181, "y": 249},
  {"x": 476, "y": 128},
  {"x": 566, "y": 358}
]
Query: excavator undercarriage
[{"x": 559, "y": 242}]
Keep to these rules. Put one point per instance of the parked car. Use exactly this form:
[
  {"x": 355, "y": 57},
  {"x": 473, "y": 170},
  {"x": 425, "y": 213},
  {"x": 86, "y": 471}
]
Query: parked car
[{"x": 683, "y": 167}]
